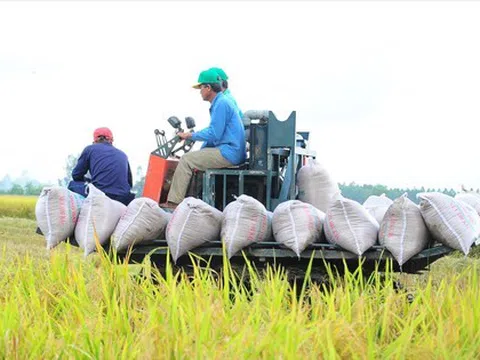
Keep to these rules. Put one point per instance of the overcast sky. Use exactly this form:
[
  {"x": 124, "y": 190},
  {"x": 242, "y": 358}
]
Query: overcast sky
[{"x": 389, "y": 90}]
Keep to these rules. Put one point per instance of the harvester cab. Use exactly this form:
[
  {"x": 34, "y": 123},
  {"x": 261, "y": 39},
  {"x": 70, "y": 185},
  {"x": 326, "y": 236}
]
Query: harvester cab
[{"x": 275, "y": 153}]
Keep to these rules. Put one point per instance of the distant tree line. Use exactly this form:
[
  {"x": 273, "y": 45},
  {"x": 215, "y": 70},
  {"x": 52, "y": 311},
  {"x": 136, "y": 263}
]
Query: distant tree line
[
  {"x": 31, "y": 188},
  {"x": 353, "y": 191},
  {"x": 360, "y": 193}
]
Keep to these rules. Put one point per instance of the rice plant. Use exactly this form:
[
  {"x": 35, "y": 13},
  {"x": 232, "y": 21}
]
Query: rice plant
[
  {"x": 59, "y": 304},
  {"x": 70, "y": 307}
]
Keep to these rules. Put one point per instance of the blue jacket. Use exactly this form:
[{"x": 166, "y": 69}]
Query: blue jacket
[
  {"x": 225, "y": 131},
  {"x": 109, "y": 169}
]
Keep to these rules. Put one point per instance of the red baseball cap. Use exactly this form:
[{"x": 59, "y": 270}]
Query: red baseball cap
[{"x": 103, "y": 131}]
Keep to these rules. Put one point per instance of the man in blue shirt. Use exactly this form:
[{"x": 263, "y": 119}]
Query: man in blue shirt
[
  {"x": 225, "y": 89},
  {"x": 108, "y": 167},
  {"x": 224, "y": 138}
]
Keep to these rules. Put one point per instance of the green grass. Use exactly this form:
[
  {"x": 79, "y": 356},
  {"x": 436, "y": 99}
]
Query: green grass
[
  {"x": 18, "y": 206},
  {"x": 60, "y": 305}
]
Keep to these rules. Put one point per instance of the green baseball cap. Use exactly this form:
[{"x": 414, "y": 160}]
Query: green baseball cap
[
  {"x": 207, "y": 77},
  {"x": 220, "y": 73}
]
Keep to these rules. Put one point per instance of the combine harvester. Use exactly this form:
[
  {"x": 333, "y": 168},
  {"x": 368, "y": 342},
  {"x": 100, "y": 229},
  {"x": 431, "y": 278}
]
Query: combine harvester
[{"x": 276, "y": 153}]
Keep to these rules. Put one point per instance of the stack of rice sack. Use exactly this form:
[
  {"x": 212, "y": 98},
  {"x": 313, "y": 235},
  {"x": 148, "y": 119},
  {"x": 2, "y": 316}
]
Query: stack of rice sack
[
  {"x": 403, "y": 227},
  {"x": 452, "y": 222},
  {"x": 96, "y": 219},
  {"x": 407, "y": 229}
]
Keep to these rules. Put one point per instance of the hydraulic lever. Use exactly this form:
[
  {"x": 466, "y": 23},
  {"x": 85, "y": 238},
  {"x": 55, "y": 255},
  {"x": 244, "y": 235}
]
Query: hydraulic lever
[{"x": 167, "y": 148}]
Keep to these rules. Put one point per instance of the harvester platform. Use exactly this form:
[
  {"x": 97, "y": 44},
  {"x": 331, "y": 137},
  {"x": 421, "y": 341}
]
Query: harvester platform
[{"x": 273, "y": 253}]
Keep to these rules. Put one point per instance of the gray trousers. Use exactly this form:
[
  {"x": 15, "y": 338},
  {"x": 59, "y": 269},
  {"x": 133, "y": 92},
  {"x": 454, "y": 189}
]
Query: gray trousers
[{"x": 206, "y": 158}]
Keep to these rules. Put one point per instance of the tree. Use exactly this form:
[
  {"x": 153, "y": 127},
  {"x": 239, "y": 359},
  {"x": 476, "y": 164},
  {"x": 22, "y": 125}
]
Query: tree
[
  {"x": 33, "y": 189},
  {"x": 16, "y": 189},
  {"x": 379, "y": 189},
  {"x": 70, "y": 163}
]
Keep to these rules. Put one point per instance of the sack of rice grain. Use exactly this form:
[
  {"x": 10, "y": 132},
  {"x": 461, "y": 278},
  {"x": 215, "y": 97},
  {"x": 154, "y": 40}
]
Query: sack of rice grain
[
  {"x": 193, "y": 223},
  {"x": 143, "y": 221},
  {"x": 470, "y": 198},
  {"x": 315, "y": 185},
  {"x": 245, "y": 221},
  {"x": 451, "y": 222},
  {"x": 377, "y": 206},
  {"x": 349, "y": 225},
  {"x": 97, "y": 220},
  {"x": 56, "y": 211},
  {"x": 403, "y": 231},
  {"x": 296, "y": 224}
]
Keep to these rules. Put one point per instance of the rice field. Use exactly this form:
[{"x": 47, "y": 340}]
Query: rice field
[
  {"x": 18, "y": 206},
  {"x": 58, "y": 304}
]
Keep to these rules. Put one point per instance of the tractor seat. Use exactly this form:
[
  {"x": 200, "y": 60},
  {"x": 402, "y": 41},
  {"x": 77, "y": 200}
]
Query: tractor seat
[{"x": 243, "y": 166}]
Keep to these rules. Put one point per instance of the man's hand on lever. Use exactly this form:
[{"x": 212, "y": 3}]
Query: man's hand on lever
[{"x": 185, "y": 136}]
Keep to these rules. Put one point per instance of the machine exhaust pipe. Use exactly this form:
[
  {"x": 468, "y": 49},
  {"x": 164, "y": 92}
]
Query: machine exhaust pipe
[{"x": 250, "y": 115}]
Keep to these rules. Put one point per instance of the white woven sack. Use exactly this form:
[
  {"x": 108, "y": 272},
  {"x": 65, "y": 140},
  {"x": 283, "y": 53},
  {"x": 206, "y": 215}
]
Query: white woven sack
[
  {"x": 377, "y": 206},
  {"x": 451, "y": 222},
  {"x": 296, "y": 224},
  {"x": 98, "y": 218},
  {"x": 349, "y": 225},
  {"x": 245, "y": 221},
  {"x": 193, "y": 223},
  {"x": 403, "y": 231},
  {"x": 143, "y": 221},
  {"x": 315, "y": 185},
  {"x": 470, "y": 198},
  {"x": 56, "y": 211}
]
